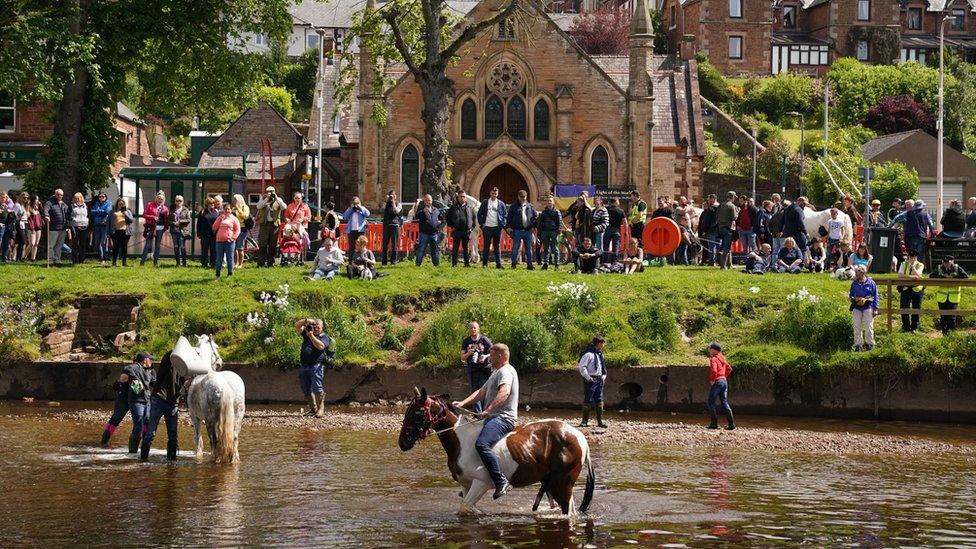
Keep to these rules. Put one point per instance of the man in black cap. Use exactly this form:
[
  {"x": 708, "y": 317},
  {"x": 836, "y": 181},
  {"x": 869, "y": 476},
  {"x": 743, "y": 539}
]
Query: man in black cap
[
  {"x": 948, "y": 297},
  {"x": 162, "y": 404},
  {"x": 896, "y": 208},
  {"x": 140, "y": 378}
]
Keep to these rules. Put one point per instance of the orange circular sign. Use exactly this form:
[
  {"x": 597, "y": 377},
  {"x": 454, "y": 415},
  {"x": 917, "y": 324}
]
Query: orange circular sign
[{"x": 661, "y": 237}]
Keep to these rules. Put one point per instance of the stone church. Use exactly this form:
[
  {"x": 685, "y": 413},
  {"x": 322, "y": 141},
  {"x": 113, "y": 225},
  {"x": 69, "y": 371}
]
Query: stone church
[{"x": 531, "y": 110}]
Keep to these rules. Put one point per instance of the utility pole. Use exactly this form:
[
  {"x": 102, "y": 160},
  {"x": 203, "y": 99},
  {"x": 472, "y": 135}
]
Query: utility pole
[
  {"x": 321, "y": 106},
  {"x": 941, "y": 123},
  {"x": 803, "y": 126},
  {"x": 755, "y": 143},
  {"x": 826, "y": 115}
]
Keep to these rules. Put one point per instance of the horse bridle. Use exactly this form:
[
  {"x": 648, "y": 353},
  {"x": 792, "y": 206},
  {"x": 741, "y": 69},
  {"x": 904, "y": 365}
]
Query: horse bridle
[
  {"x": 430, "y": 419},
  {"x": 213, "y": 354}
]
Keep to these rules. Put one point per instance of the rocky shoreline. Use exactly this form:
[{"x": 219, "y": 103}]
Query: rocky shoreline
[{"x": 664, "y": 434}]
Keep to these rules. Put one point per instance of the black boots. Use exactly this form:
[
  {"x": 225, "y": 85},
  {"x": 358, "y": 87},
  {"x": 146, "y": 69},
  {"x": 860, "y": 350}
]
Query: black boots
[
  {"x": 134, "y": 444},
  {"x": 731, "y": 425},
  {"x": 171, "y": 449},
  {"x": 599, "y": 416},
  {"x": 714, "y": 422},
  {"x": 108, "y": 432},
  {"x": 586, "y": 416},
  {"x": 144, "y": 454}
]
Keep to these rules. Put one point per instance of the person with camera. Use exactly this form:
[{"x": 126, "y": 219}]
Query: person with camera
[
  {"x": 392, "y": 220},
  {"x": 271, "y": 208},
  {"x": 474, "y": 354},
  {"x": 355, "y": 218},
  {"x": 864, "y": 307},
  {"x": 430, "y": 222},
  {"x": 316, "y": 354},
  {"x": 461, "y": 220}
]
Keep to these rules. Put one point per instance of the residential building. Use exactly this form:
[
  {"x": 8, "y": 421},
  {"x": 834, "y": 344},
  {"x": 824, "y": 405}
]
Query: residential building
[
  {"x": 530, "y": 110},
  {"x": 920, "y": 29}
]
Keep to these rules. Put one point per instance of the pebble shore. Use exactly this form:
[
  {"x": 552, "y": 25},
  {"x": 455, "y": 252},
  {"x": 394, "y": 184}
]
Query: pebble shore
[{"x": 665, "y": 434}]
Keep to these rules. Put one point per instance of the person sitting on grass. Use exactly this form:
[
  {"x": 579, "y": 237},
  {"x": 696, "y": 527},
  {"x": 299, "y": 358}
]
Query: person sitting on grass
[
  {"x": 633, "y": 258},
  {"x": 587, "y": 257},
  {"x": 817, "y": 256},
  {"x": 362, "y": 262},
  {"x": 328, "y": 261},
  {"x": 790, "y": 259},
  {"x": 758, "y": 262},
  {"x": 842, "y": 262},
  {"x": 862, "y": 258}
]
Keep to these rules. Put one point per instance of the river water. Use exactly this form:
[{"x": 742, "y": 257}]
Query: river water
[{"x": 338, "y": 488}]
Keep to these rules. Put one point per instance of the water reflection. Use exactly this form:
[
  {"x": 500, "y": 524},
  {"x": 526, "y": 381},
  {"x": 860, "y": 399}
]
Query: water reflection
[{"x": 309, "y": 487}]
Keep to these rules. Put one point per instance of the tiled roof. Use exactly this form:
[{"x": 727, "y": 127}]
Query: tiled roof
[
  {"x": 284, "y": 165},
  {"x": 338, "y": 14},
  {"x": 877, "y": 146}
]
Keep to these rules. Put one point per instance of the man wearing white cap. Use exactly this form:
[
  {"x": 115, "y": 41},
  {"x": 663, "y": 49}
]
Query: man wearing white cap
[{"x": 270, "y": 209}]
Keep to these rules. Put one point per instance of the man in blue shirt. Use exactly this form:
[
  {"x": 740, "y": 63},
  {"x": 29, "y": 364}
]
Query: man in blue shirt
[
  {"x": 355, "y": 218},
  {"x": 521, "y": 220},
  {"x": 430, "y": 222},
  {"x": 864, "y": 307}
]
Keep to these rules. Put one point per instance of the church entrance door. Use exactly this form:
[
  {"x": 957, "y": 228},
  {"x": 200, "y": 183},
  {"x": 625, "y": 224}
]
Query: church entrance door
[{"x": 509, "y": 182}]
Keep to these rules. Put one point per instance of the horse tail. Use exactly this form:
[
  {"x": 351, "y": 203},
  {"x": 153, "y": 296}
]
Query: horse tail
[
  {"x": 590, "y": 481},
  {"x": 224, "y": 452}
]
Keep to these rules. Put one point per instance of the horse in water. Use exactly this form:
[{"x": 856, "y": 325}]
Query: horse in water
[
  {"x": 216, "y": 398},
  {"x": 550, "y": 452}
]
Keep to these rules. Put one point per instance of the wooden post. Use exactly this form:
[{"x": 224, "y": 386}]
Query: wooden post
[{"x": 890, "y": 297}]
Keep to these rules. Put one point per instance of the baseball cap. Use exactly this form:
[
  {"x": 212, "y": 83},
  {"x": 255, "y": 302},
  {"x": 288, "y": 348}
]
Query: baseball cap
[
  {"x": 715, "y": 345},
  {"x": 948, "y": 258},
  {"x": 270, "y": 189},
  {"x": 875, "y": 202},
  {"x": 143, "y": 355}
]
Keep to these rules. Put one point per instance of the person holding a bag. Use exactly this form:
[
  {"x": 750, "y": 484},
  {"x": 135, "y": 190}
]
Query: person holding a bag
[
  {"x": 154, "y": 223},
  {"x": 79, "y": 229},
  {"x": 243, "y": 213},
  {"x": 179, "y": 229},
  {"x": 317, "y": 354}
]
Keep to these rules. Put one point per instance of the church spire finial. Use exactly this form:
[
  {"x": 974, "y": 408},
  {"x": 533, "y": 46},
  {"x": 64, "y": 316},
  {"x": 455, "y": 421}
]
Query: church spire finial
[{"x": 640, "y": 22}]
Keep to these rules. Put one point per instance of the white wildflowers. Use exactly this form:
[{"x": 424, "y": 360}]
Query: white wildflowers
[
  {"x": 578, "y": 292},
  {"x": 273, "y": 307},
  {"x": 802, "y": 295}
]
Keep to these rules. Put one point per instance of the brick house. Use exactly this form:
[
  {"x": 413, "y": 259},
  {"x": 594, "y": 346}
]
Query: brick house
[
  {"x": 528, "y": 117},
  {"x": 920, "y": 29},
  {"x": 266, "y": 146},
  {"x": 734, "y": 34}
]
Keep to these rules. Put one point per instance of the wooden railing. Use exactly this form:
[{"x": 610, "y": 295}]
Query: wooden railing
[{"x": 889, "y": 286}]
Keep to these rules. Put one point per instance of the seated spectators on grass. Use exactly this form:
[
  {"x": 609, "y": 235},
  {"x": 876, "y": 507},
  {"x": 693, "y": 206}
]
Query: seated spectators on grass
[
  {"x": 862, "y": 258},
  {"x": 790, "y": 259},
  {"x": 362, "y": 262},
  {"x": 818, "y": 256},
  {"x": 587, "y": 257},
  {"x": 758, "y": 262},
  {"x": 328, "y": 261},
  {"x": 842, "y": 262},
  {"x": 633, "y": 257}
]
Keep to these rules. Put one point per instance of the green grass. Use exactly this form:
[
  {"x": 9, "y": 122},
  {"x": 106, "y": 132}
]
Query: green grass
[{"x": 425, "y": 310}]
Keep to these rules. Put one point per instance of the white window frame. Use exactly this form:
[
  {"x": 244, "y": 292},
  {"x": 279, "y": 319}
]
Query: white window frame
[
  {"x": 958, "y": 18},
  {"x": 796, "y": 12},
  {"x": 674, "y": 17},
  {"x": 867, "y": 50},
  {"x": 12, "y": 107},
  {"x": 908, "y": 18},
  {"x": 337, "y": 124},
  {"x": 735, "y": 9},
  {"x": 261, "y": 39},
  {"x": 861, "y": 15},
  {"x": 312, "y": 41},
  {"x": 739, "y": 39}
]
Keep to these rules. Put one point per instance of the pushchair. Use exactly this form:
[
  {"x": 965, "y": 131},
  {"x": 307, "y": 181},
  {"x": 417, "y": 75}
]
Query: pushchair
[{"x": 291, "y": 245}]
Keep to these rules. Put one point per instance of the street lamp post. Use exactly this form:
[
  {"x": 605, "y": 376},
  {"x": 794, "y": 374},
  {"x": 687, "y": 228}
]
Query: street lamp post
[
  {"x": 321, "y": 106},
  {"x": 803, "y": 126},
  {"x": 755, "y": 141},
  {"x": 941, "y": 122}
]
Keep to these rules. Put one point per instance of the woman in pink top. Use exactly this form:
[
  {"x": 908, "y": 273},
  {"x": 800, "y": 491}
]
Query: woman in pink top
[{"x": 226, "y": 228}]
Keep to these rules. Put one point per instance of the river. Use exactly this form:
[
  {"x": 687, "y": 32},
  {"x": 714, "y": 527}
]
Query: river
[{"x": 341, "y": 488}]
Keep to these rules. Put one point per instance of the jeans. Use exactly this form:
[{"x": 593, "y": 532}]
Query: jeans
[
  {"x": 477, "y": 377},
  {"x": 318, "y": 274},
  {"x": 863, "y": 321},
  {"x": 550, "y": 248},
  {"x": 428, "y": 240},
  {"x": 719, "y": 391},
  {"x": 681, "y": 254},
  {"x": 495, "y": 429},
  {"x": 916, "y": 243},
  {"x": 154, "y": 243},
  {"x": 518, "y": 237},
  {"x": 100, "y": 241},
  {"x": 4, "y": 241},
  {"x": 55, "y": 245},
  {"x": 611, "y": 241},
  {"x": 79, "y": 244},
  {"x": 140, "y": 413},
  {"x": 637, "y": 231},
  {"x": 207, "y": 251},
  {"x": 225, "y": 251},
  {"x": 492, "y": 237},
  {"x": 910, "y": 299},
  {"x": 947, "y": 322},
  {"x": 777, "y": 245},
  {"x": 121, "y": 407},
  {"x": 748, "y": 240},
  {"x": 725, "y": 241},
  {"x": 161, "y": 409},
  {"x": 179, "y": 246},
  {"x": 310, "y": 379},
  {"x": 462, "y": 239},
  {"x": 391, "y": 242},
  {"x": 120, "y": 246},
  {"x": 593, "y": 391}
]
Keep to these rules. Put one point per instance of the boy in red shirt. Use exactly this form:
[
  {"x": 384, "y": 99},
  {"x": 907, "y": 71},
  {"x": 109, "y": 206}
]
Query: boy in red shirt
[{"x": 719, "y": 372}]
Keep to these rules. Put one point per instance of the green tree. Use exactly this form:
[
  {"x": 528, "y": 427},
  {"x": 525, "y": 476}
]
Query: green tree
[
  {"x": 176, "y": 58},
  {"x": 426, "y": 38},
  {"x": 778, "y": 95},
  {"x": 894, "y": 180},
  {"x": 279, "y": 98}
]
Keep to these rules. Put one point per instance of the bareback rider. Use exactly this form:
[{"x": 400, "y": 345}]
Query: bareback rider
[{"x": 499, "y": 398}]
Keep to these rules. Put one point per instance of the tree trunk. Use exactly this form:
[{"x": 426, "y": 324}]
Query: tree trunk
[
  {"x": 437, "y": 92},
  {"x": 67, "y": 120}
]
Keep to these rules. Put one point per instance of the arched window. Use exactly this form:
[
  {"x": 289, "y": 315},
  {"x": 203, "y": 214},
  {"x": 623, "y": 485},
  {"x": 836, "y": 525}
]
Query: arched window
[
  {"x": 409, "y": 175},
  {"x": 540, "y": 121},
  {"x": 469, "y": 120},
  {"x": 493, "y": 117},
  {"x": 516, "y": 118},
  {"x": 599, "y": 166}
]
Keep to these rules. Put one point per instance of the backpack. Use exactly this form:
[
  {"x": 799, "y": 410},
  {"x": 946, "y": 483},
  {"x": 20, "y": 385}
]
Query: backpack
[{"x": 329, "y": 358}]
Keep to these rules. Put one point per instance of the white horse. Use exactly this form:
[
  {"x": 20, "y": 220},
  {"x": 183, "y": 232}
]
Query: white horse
[
  {"x": 214, "y": 397},
  {"x": 813, "y": 220}
]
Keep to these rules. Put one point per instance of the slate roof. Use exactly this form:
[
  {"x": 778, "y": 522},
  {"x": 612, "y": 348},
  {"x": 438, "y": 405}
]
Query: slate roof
[
  {"x": 879, "y": 145},
  {"x": 284, "y": 165},
  {"x": 338, "y": 14}
]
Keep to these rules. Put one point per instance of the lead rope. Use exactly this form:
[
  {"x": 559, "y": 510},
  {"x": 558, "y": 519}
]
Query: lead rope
[{"x": 463, "y": 412}]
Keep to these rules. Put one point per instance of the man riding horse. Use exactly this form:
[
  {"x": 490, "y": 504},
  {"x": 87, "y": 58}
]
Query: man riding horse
[{"x": 499, "y": 409}]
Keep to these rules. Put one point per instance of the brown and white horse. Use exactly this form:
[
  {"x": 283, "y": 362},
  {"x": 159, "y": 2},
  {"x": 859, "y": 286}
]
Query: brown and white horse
[{"x": 550, "y": 451}]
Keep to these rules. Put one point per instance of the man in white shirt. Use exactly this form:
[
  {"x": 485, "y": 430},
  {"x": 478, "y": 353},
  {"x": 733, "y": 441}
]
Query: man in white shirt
[
  {"x": 328, "y": 261},
  {"x": 492, "y": 217},
  {"x": 594, "y": 372}
]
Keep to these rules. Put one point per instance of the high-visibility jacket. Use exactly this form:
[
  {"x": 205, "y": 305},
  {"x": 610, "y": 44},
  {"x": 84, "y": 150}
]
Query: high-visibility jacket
[
  {"x": 948, "y": 294},
  {"x": 907, "y": 269},
  {"x": 638, "y": 212}
]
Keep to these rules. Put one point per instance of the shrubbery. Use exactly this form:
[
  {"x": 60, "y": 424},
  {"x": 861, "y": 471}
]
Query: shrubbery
[
  {"x": 655, "y": 327},
  {"x": 899, "y": 113},
  {"x": 711, "y": 83},
  {"x": 810, "y": 323},
  {"x": 776, "y": 96}
]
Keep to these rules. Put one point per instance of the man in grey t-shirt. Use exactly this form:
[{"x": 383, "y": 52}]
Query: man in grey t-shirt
[{"x": 499, "y": 398}]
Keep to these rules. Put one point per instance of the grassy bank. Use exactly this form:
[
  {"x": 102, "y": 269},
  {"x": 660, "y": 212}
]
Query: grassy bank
[{"x": 418, "y": 316}]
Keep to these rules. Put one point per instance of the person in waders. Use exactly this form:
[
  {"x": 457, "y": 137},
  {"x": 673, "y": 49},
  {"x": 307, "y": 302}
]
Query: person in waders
[
  {"x": 140, "y": 378},
  {"x": 594, "y": 371},
  {"x": 719, "y": 372},
  {"x": 162, "y": 404},
  {"x": 118, "y": 414},
  {"x": 317, "y": 354}
]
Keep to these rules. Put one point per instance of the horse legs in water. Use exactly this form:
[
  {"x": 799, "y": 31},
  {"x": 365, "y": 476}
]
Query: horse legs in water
[
  {"x": 212, "y": 435},
  {"x": 197, "y": 439},
  {"x": 543, "y": 489},
  {"x": 474, "y": 494}
]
